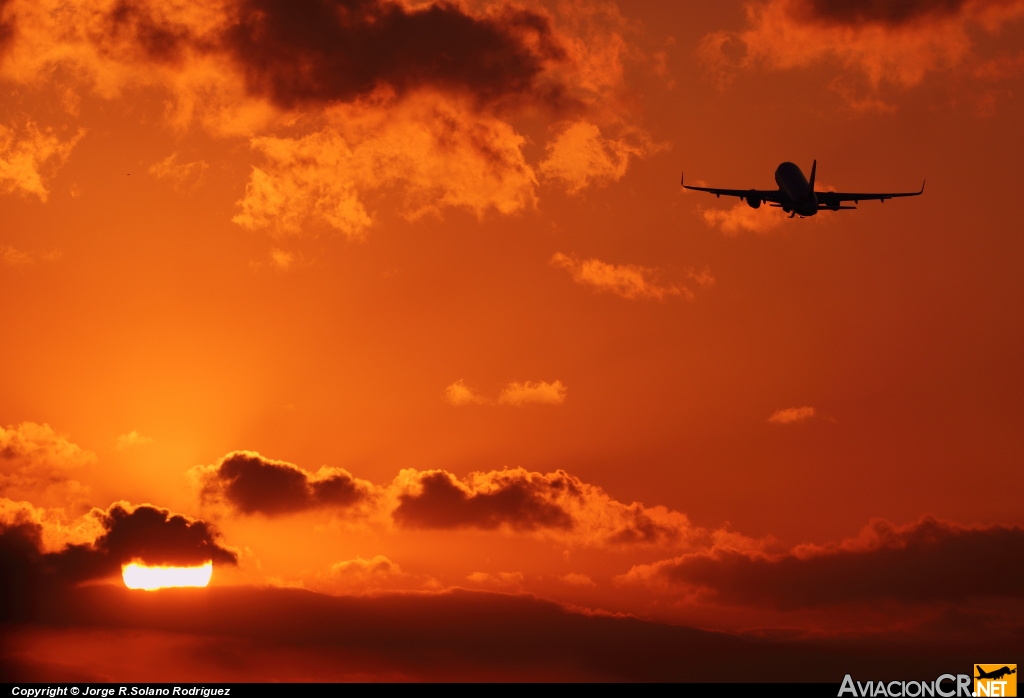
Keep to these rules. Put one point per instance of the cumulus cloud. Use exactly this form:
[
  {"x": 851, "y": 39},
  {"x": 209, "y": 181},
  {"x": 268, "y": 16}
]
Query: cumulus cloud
[
  {"x": 514, "y": 394},
  {"x": 791, "y": 415},
  {"x": 458, "y": 393},
  {"x": 361, "y": 568},
  {"x": 626, "y": 280},
  {"x": 6, "y": 27},
  {"x": 740, "y": 217},
  {"x": 533, "y": 392},
  {"x": 56, "y": 530},
  {"x": 371, "y": 575},
  {"x": 12, "y": 257},
  {"x": 36, "y": 464},
  {"x": 519, "y": 500},
  {"x": 922, "y": 562},
  {"x": 346, "y": 102},
  {"x": 895, "y": 43},
  {"x": 123, "y": 534},
  {"x": 339, "y": 50},
  {"x": 579, "y": 156},
  {"x": 500, "y": 580},
  {"x": 578, "y": 580},
  {"x": 436, "y": 151},
  {"x": 282, "y": 260},
  {"x": 321, "y": 51},
  {"x": 556, "y": 505},
  {"x": 29, "y": 156},
  {"x": 184, "y": 175},
  {"x": 131, "y": 440},
  {"x": 252, "y": 484},
  {"x": 154, "y": 536}
]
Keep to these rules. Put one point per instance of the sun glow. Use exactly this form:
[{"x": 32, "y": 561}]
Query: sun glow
[{"x": 139, "y": 576}]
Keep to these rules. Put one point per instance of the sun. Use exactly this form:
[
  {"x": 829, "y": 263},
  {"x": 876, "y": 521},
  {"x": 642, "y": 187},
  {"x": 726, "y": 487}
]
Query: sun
[{"x": 137, "y": 575}]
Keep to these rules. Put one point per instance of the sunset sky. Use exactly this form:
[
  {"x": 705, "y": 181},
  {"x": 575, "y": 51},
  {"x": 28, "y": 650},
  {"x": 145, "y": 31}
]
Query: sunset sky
[{"x": 389, "y": 308}]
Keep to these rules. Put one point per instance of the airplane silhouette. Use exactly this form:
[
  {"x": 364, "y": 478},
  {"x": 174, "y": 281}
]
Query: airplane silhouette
[
  {"x": 995, "y": 674},
  {"x": 796, "y": 195}
]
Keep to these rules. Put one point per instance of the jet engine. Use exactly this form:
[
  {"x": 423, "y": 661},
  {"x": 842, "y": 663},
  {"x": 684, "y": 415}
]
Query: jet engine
[{"x": 753, "y": 200}]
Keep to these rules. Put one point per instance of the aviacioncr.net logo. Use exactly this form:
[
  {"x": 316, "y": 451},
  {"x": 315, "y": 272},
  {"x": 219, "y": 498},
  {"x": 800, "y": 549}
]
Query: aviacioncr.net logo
[
  {"x": 946, "y": 686},
  {"x": 995, "y": 680}
]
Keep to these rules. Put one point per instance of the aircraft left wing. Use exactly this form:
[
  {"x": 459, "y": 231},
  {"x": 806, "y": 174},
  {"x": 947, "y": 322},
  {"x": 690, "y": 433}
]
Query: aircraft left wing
[
  {"x": 771, "y": 195},
  {"x": 832, "y": 199}
]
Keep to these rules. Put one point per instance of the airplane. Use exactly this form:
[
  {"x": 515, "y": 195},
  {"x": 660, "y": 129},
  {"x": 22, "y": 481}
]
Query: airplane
[
  {"x": 994, "y": 674},
  {"x": 796, "y": 195}
]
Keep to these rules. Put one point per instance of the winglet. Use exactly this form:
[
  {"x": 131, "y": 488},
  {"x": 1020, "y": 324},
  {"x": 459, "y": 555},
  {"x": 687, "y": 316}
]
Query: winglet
[
  {"x": 681, "y": 178},
  {"x": 922, "y": 186},
  {"x": 814, "y": 166}
]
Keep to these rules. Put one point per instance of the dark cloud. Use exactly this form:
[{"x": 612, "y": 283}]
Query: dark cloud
[
  {"x": 157, "y": 537},
  {"x": 21, "y": 570},
  {"x": 249, "y": 634},
  {"x": 253, "y": 484},
  {"x": 927, "y": 561},
  {"x": 145, "y": 533},
  {"x": 159, "y": 41},
  {"x": 883, "y": 11},
  {"x": 522, "y": 503},
  {"x": 6, "y": 27},
  {"x": 640, "y": 528},
  {"x": 337, "y": 50}
]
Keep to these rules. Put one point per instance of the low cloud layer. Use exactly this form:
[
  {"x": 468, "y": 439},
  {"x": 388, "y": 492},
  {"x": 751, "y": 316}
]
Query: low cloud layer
[
  {"x": 250, "y": 634},
  {"x": 924, "y": 562}
]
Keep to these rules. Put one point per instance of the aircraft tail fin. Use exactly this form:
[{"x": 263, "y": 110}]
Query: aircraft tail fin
[{"x": 814, "y": 166}]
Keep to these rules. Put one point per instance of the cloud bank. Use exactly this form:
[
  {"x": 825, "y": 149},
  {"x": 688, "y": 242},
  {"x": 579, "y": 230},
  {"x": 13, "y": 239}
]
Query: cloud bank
[
  {"x": 879, "y": 43},
  {"x": 349, "y": 106},
  {"x": 923, "y": 562}
]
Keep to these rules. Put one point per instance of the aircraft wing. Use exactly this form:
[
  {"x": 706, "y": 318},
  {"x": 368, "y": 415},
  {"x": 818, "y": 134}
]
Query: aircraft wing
[
  {"x": 832, "y": 199},
  {"x": 771, "y": 195}
]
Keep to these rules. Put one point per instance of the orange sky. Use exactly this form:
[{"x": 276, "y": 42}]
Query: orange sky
[{"x": 394, "y": 301}]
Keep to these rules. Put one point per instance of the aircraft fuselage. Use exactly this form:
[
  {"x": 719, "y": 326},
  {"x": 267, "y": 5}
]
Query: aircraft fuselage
[{"x": 797, "y": 189}]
